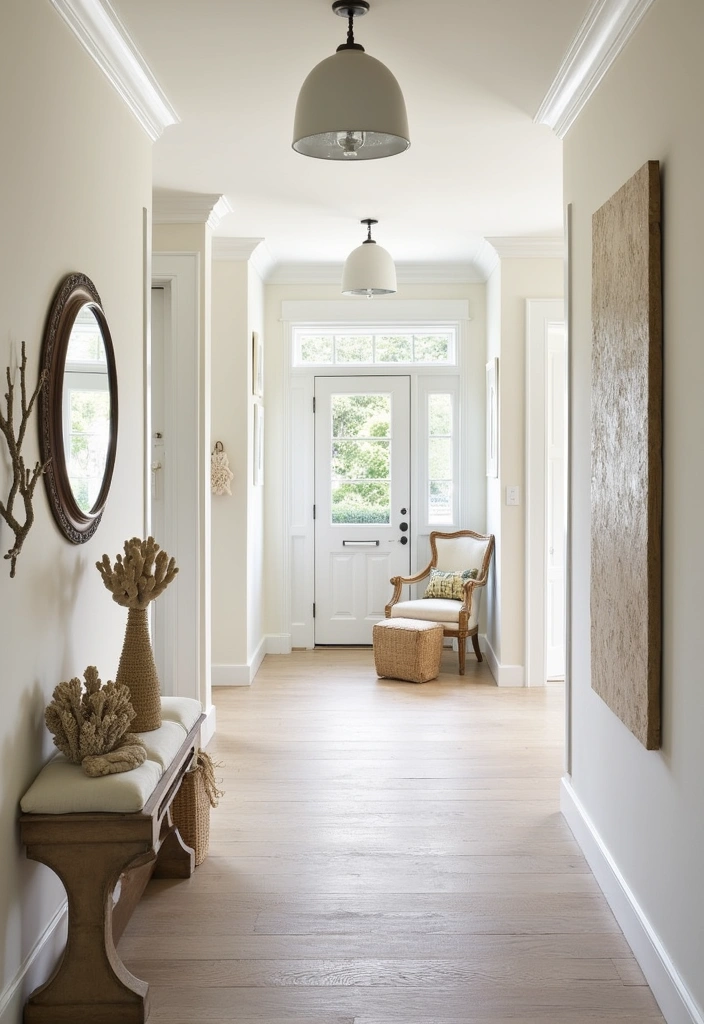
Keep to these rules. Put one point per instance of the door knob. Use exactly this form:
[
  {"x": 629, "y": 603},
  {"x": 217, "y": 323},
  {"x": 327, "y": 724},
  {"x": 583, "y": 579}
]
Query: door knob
[
  {"x": 404, "y": 540},
  {"x": 403, "y": 527}
]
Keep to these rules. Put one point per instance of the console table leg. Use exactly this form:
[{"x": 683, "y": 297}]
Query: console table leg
[{"x": 91, "y": 985}]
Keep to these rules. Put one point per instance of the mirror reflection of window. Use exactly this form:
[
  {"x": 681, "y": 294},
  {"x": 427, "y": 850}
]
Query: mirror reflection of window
[{"x": 86, "y": 409}]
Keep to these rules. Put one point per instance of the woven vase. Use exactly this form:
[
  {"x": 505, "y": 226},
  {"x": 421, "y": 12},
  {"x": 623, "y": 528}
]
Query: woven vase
[{"x": 138, "y": 672}]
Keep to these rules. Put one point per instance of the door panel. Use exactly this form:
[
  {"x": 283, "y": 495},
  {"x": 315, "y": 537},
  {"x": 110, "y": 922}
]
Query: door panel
[{"x": 362, "y": 481}]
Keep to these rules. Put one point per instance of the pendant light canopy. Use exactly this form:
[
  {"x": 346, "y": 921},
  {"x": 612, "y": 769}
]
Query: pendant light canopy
[
  {"x": 369, "y": 269},
  {"x": 350, "y": 106}
]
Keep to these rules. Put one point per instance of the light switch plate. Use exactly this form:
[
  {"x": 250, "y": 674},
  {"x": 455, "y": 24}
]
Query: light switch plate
[{"x": 513, "y": 495}]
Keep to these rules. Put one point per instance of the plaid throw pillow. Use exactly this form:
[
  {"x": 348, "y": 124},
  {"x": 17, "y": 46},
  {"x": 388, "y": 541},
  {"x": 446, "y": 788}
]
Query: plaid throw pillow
[{"x": 449, "y": 584}]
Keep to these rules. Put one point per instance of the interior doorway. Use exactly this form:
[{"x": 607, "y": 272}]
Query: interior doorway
[{"x": 362, "y": 501}]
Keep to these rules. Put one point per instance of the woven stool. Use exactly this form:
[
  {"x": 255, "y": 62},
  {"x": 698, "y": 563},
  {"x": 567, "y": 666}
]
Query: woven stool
[{"x": 408, "y": 649}]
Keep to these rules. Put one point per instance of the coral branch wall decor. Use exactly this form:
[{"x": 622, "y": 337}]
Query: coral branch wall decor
[
  {"x": 24, "y": 480},
  {"x": 136, "y": 578},
  {"x": 626, "y": 491}
]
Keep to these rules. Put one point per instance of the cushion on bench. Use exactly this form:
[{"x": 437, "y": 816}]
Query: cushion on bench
[{"x": 63, "y": 787}]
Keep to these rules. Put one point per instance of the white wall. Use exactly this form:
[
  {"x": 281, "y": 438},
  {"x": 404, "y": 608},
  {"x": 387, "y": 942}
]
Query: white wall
[
  {"x": 74, "y": 179},
  {"x": 647, "y": 807},
  {"x": 237, "y": 521},
  {"x": 275, "y": 357},
  {"x": 507, "y": 290}
]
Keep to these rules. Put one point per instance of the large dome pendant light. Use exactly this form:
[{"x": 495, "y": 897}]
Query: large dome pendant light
[
  {"x": 369, "y": 269},
  {"x": 350, "y": 106}
]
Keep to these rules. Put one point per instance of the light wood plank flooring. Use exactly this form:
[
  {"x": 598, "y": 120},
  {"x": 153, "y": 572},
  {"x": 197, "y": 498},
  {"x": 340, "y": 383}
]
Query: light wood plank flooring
[{"x": 386, "y": 852}]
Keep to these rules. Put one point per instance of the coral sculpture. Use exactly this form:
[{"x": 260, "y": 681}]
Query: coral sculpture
[
  {"x": 24, "y": 480},
  {"x": 134, "y": 580},
  {"x": 90, "y": 725},
  {"x": 141, "y": 575}
]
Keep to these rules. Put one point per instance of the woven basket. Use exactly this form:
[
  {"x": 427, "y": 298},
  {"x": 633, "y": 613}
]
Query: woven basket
[
  {"x": 138, "y": 672},
  {"x": 408, "y": 649},
  {"x": 190, "y": 809}
]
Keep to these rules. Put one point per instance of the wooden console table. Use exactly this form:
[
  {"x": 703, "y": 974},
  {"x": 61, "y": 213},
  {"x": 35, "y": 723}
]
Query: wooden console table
[{"x": 91, "y": 852}]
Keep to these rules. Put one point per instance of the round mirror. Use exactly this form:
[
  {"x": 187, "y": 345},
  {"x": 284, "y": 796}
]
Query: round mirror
[{"x": 78, "y": 408}]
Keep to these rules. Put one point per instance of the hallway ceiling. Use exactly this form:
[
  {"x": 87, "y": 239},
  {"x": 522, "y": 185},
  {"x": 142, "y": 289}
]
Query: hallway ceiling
[{"x": 473, "y": 73}]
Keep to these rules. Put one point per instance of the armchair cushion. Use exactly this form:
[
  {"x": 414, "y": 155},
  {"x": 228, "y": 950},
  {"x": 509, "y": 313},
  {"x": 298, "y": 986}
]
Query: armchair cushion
[
  {"x": 433, "y": 609},
  {"x": 449, "y": 584}
]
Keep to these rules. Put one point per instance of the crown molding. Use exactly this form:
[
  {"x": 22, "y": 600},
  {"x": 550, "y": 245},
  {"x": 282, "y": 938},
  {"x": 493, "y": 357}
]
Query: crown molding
[
  {"x": 236, "y": 250},
  {"x": 172, "y": 207},
  {"x": 543, "y": 247},
  {"x": 605, "y": 30},
  {"x": 98, "y": 28},
  {"x": 263, "y": 261}
]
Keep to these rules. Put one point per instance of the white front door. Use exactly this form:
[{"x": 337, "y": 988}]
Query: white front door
[
  {"x": 555, "y": 501},
  {"x": 362, "y": 502}
]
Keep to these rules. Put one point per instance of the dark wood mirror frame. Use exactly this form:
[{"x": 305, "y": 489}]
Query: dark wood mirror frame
[{"x": 75, "y": 292}]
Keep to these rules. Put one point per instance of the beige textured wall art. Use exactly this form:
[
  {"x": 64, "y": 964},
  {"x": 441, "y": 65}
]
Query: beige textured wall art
[{"x": 626, "y": 492}]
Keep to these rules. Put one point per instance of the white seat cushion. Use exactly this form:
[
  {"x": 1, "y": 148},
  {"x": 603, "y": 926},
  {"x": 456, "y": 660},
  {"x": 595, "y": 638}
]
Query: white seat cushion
[
  {"x": 183, "y": 710},
  {"x": 437, "y": 609},
  {"x": 431, "y": 609},
  {"x": 162, "y": 744},
  {"x": 64, "y": 788}
]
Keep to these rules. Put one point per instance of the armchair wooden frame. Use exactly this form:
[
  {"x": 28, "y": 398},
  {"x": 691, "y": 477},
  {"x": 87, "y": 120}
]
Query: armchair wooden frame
[{"x": 460, "y": 631}]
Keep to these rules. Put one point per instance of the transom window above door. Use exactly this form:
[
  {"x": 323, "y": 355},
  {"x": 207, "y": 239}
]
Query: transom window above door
[{"x": 375, "y": 346}]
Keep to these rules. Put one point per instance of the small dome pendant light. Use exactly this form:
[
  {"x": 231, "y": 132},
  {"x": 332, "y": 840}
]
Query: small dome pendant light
[
  {"x": 369, "y": 269},
  {"x": 350, "y": 106}
]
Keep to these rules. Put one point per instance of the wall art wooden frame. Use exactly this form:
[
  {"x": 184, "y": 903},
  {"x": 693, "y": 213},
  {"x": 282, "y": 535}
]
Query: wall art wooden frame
[{"x": 626, "y": 490}]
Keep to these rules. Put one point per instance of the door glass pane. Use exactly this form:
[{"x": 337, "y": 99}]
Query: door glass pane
[
  {"x": 394, "y": 348},
  {"x": 440, "y": 415},
  {"x": 440, "y": 459},
  {"x": 361, "y": 459},
  {"x": 361, "y": 416},
  {"x": 354, "y": 348},
  {"x": 440, "y": 510}
]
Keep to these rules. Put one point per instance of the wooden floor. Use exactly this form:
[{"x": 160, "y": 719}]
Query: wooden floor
[{"x": 386, "y": 852}]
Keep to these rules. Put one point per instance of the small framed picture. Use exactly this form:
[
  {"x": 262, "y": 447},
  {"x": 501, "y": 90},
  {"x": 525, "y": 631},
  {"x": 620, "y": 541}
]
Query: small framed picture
[
  {"x": 258, "y": 446},
  {"x": 492, "y": 417},
  {"x": 257, "y": 366}
]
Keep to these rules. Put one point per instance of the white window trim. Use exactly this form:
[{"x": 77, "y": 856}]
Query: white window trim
[{"x": 298, "y": 582}]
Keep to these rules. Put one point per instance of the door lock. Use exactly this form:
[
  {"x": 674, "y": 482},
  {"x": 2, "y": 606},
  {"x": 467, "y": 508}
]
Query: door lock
[
  {"x": 404, "y": 540},
  {"x": 403, "y": 527}
]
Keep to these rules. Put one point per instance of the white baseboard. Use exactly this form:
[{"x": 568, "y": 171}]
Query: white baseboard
[
  {"x": 504, "y": 675},
  {"x": 239, "y": 675},
  {"x": 278, "y": 643},
  {"x": 670, "y": 991},
  {"x": 230, "y": 675},
  {"x": 37, "y": 967},
  {"x": 207, "y": 729}
]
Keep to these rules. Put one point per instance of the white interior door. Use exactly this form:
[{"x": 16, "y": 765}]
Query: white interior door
[
  {"x": 555, "y": 501},
  {"x": 362, "y": 502}
]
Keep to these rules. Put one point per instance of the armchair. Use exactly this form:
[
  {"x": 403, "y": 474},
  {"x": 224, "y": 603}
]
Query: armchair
[{"x": 451, "y": 552}]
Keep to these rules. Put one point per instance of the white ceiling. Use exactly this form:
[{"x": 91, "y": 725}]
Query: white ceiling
[{"x": 473, "y": 73}]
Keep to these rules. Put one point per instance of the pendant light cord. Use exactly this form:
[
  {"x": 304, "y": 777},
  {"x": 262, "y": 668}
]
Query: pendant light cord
[{"x": 350, "y": 29}]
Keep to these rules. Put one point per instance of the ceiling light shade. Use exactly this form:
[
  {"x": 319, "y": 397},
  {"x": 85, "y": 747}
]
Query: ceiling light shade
[
  {"x": 350, "y": 106},
  {"x": 369, "y": 269}
]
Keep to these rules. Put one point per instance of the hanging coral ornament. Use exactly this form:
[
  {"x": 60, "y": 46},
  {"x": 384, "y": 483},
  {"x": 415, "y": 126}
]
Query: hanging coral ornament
[{"x": 220, "y": 472}]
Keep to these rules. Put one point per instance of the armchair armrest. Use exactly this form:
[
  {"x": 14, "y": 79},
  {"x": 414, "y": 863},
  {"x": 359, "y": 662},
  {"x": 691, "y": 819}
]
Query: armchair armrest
[
  {"x": 469, "y": 588},
  {"x": 399, "y": 582}
]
